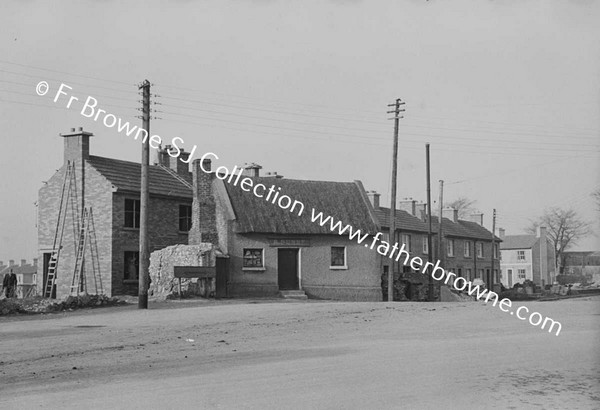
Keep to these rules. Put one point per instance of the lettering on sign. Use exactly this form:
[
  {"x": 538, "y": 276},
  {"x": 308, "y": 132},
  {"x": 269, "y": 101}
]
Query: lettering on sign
[{"x": 294, "y": 242}]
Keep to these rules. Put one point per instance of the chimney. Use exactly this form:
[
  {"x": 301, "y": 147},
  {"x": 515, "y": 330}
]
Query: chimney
[
  {"x": 1, "y": 264},
  {"x": 77, "y": 145},
  {"x": 23, "y": 262},
  {"x": 477, "y": 218},
  {"x": 204, "y": 218},
  {"x": 501, "y": 233},
  {"x": 272, "y": 175},
  {"x": 421, "y": 211},
  {"x": 11, "y": 263},
  {"x": 374, "y": 198},
  {"x": 35, "y": 261},
  {"x": 409, "y": 205},
  {"x": 174, "y": 163},
  {"x": 252, "y": 169},
  {"x": 450, "y": 213}
]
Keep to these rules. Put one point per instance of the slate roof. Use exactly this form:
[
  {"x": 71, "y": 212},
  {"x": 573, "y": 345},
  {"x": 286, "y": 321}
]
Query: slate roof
[
  {"x": 344, "y": 201},
  {"x": 18, "y": 269},
  {"x": 518, "y": 242},
  {"x": 406, "y": 221},
  {"x": 125, "y": 176}
]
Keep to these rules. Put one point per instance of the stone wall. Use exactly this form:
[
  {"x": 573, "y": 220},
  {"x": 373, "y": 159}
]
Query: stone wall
[{"x": 164, "y": 284}]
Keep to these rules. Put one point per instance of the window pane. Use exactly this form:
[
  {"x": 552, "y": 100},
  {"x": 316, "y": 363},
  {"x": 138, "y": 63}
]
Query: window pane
[
  {"x": 338, "y": 256},
  {"x": 253, "y": 258}
]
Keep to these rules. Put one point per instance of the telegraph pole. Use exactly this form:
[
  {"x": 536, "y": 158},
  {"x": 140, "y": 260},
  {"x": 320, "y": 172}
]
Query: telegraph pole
[
  {"x": 493, "y": 245},
  {"x": 396, "y": 112},
  {"x": 144, "y": 258},
  {"x": 440, "y": 250},
  {"x": 430, "y": 295}
]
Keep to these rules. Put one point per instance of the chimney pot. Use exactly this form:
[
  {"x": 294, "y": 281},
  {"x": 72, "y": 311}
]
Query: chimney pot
[
  {"x": 35, "y": 261},
  {"x": 501, "y": 233},
  {"x": 72, "y": 129},
  {"x": 11, "y": 262},
  {"x": 80, "y": 128},
  {"x": 23, "y": 262}
]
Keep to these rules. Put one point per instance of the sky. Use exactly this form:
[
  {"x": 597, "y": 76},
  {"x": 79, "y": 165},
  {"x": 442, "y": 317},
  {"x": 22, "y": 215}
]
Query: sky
[{"x": 506, "y": 93}]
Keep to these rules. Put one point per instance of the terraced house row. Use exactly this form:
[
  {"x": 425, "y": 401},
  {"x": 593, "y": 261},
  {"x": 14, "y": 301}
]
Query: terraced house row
[{"x": 268, "y": 249}]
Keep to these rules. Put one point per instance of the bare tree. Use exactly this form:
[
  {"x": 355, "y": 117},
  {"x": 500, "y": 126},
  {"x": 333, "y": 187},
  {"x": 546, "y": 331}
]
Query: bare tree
[
  {"x": 564, "y": 227},
  {"x": 463, "y": 205}
]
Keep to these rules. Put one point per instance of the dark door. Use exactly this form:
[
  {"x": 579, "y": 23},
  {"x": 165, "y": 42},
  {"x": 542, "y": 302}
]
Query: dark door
[
  {"x": 488, "y": 278},
  {"x": 221, "y": 277},
  {"x": 287, "y": 269}
]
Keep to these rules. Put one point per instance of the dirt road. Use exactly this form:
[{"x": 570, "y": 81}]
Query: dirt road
[{"x": 304, "y": 355}]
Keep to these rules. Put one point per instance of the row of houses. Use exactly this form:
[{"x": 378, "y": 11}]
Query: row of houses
[
  {"x": 269, "y": 249},
  {"x": 26, "y": 274}
]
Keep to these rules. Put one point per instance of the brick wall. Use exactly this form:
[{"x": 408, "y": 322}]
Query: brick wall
[
  {"x": 163, "y": 230},
  {"x": 98, "y": 197}
]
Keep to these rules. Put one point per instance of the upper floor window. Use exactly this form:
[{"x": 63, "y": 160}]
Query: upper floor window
[
  {"x": 425, "y": 245},
  {"x": 480, "y": 249},
  {"x": 495, "y": 251},
  {"x": 450, "y": 247},
  {"x": 467, "y": 251},
  {"x": 520, "y": 255},
  {"x": 185, "y": 218},
  {"x": 132, "y": 213},
  {"x": 338, "y": 256},
  {"x": 406, "y": 241}
]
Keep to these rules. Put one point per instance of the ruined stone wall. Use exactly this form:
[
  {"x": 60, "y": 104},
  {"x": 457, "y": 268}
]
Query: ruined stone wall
[{"x": 164, "y": 284}]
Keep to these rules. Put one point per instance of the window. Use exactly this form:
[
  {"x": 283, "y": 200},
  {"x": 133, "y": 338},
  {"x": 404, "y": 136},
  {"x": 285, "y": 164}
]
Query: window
[
  {"x": 253, "y": 258},
  {"x": 132, "y": 213},
  {"x": 467, "y": 249},
  {"x": 480, "y": 276},
  {"x": 131, "y": 261},
  {"x": 338, "y": 257},
  {"x": 185, "y": 218},
  {"x": 495, "y": 251},
  {"x": 425, "y": 245},
  {"x": 406, "y": 242},
  {"x": 520, "y": 255},
  {"x": 468, "y": 277},
  {"x": 521, "y": 273},
  {"x": 459, "y": 273},
  {"x": 450, "y": 247},
  {"x": 480, "y": 249}
]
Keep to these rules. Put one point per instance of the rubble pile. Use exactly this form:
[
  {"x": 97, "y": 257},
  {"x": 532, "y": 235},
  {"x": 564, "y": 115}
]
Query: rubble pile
[
  {"x": 44, "y": 305},
  {"x": 162, "y": 262}
]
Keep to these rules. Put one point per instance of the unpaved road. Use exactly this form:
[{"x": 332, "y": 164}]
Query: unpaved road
[{"x": 303, "y": 355}]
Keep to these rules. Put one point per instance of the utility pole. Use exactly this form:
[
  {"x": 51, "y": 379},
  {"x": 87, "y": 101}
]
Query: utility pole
[
  {"x": 430, "y": 295},
  {"x": 440, "y": 252},
  {"x": 144, "y": 258},
  {"x": 493, "y": 248},
  {"x": 396, "y": 112}
]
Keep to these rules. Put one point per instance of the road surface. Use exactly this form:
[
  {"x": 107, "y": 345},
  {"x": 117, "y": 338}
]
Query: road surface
[{"x": 302, "y": 355}]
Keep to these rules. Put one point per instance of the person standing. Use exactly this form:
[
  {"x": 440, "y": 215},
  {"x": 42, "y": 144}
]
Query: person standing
[
  {"x": 13, "y": 284},
  {"x": 6, "y": 284}
]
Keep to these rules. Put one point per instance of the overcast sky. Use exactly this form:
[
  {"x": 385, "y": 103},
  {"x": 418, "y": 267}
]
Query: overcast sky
[{"x": 506, "y": 92}]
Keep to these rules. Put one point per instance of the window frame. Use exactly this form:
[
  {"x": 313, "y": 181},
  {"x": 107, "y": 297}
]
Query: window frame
[
  {"x": 338, "y": 267},
  {"x": 450, "y": 248},
  {"x": 521, "y": 256},
  {"x": 253, "y": 268},
  {"x": 479, "y": 247},
  {"x": 126, "y": 278},
  {"x": 425, "y": 246},
  {"x": 187, "y": 218},
  {"x": 135, "y": 211},
  {"x": 519, "y": 273},
  {"x": 467, "y": 249},
  {"x": 407, "y": 242}
]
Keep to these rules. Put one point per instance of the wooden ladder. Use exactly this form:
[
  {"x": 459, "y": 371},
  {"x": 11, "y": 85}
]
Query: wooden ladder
[{"x": 87, "y": 238}]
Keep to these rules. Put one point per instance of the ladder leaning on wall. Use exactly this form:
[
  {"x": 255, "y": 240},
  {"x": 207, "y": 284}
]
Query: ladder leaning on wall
[
  {"x": 87, "y": 238},
  {"x": 68, "y": 200}
]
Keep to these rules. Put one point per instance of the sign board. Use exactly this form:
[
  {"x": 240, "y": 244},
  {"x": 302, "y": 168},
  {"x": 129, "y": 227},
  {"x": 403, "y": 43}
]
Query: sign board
[
  {"x": 289, "y": 242},
  {"x": 195, "y": 271}
]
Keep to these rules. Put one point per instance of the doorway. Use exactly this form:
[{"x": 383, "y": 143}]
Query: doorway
[{"x": 287, "y": 268}]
